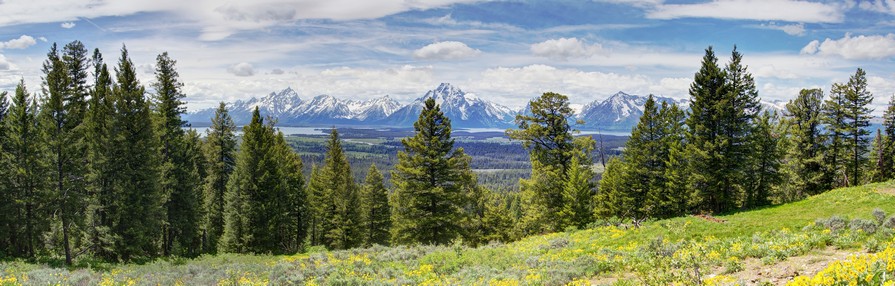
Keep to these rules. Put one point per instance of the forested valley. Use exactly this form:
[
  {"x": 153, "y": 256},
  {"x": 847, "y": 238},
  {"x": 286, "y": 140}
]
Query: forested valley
[{"x": 98, "y": 166}]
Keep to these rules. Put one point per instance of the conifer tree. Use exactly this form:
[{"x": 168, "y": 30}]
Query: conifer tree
[
  {"x": 857, "y": 119},
  {"x": 880, "y": 164},
  {"x": 293, "y": 199},
  {"x": 886, "y": 166},
  {"x": 220, "y": 152},
  {"x": 318, "y": 205},
  {"x": 138, "y": 203},
  {"x": 342, "y": 228},
  {"x": 578, "y": 190},
  {"x": 645, "y": 156},
  {"x": 611, "y": 199},
  {"x": 432, "y": 180},
  {"x": 763, "y": 169},
  {"x": 179, "y": 180},
  {"x": 23, "y": 219},
  {"x": 7, "y": 205},
  {"x": 547, "y": 135},
  {"x": 836, "y": 128},
  {"x": 60, "y": 128},
  {"x": 805, "y": 156},
  {"x": 498, "y": 220},
  {"x": 375, "y": 210},
  {"x": 99, "y": 136}
]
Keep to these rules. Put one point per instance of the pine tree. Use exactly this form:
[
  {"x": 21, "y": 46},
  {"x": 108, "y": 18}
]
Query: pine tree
[
  {"x": 99, "y": 135},
  {"x": 579, "y": 192},
  {"x": 294, "y": 202},
  {"x": 836, "y": 127},
  {"x": 23, "y": 220},
  {"x": 611, "y": 198},
  {"x": 498, "y": 220},
  {"x": 220, "y": 151},
  {"x": 341, "y": 215},
  {"x": 7, "y": 205},
  {"x": 880, "y": 164},
  {"x": 886, "y": 166},
  {"x": 318, "y": 200},
  {"x": 547, "y": 135},
  {"x": 805, "y": 156},
  {"x": 763, "y": 166},
  {"x": 857, "y": 118},
  {"x": 60, "y": 127},
  {"x": 375, "y": 211},
  {"x": 137, "y": 211},
  {"x": 432, "y": 180},
  {"x": 645, "y": 155},
  {"x": 178, "y": 182}
]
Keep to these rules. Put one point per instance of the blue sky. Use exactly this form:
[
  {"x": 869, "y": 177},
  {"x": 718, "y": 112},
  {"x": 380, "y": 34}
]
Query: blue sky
[{"x": 505, "y": 51}]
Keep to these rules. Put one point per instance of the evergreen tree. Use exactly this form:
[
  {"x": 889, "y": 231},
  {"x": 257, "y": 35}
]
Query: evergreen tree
[
  {"x": 179, "y": 180},
  {"x": 293, "y": 201},
  {"x": 137, "y": 210},
  {"x": 547, "y": 135},
  {"x": 805, "y": 156},
  {"x": 579, "y": 192},
  {"x": 375, "y": 211},
  {"x": 24, "y": 201},
  {"x": 763, "y": 171},
  {"x": 498, "y": 220},
  {"x": 220, "y": 151},
  {"x": 318, "y": 200},
  {"x": 878, "y": 159},
  {"x": 99, "y": 136},
  {"x": 886, "y": 166},
  {"x": 836, "y": 126},
  {"x": 342, "y": 228},
  {"x": 857, "y": 119},
  {"x": 612, "y": 199},
  {"x": 432, "y": 180},
  {"x": 60, "y": 128},
  {"x": 645, "y": 155}
]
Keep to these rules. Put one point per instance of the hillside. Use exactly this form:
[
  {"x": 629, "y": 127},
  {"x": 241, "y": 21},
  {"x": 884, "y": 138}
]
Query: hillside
[{"x": 766, "y": 245}]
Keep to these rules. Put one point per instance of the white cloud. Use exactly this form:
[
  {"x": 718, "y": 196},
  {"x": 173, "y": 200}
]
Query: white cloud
[
  {"x": 67, "y": 25},
  {"x": 242, "y": 69},
  {"x": 532, "y": 80},
  {"x": 771, "y": 71},
  {"x": 22, "y": 42},
  {"x": 854, "y": 48},
  {"x": 565, "y": 48},
  {"x": 791, "y": 29},
  {"x": 277, "y": 71},
  {"x": 762, "y": 10},
  {"x": 4, "y": 64},
  {"x": 217, "y": 19},
  {"x": 448, "y": 50},
  {"x": 880, "y": 6},
  {"x": 42, "y": 39}
]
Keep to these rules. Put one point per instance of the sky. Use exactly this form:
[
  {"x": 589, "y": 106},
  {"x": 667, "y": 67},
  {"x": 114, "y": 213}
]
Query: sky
[{"x": 504, "y": 51}]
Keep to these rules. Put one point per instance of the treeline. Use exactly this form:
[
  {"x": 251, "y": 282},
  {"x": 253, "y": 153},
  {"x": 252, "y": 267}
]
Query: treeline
[{"x": 726, "y": 154}]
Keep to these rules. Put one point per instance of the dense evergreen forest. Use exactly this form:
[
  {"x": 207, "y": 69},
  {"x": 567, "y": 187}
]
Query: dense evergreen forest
[{"x": 98, "y": 165}]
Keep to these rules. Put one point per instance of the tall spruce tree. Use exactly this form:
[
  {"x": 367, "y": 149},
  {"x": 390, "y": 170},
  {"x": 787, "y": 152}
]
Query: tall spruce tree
[
  {"x": 342, "y": 221},
  {"x": 318, "y": 200},
  {"x": 60, "y": 127},
  {"x": 293, "y": 215},
  {"x": 375, "y": 210},
  {"x": 878, "y": 160},
  {"x": 179, "y": 180},
  {"x": 99, "y": 136},
  {"x": 23, "y": 220},
  {"x": 886, "y": 166},
  {"x": 763, "y": 166},
  {"x": 220, "y": 152},
  {"x": 137, "y": 211},
  {"x": 548, "y": 137},
  {"x": 836, "y": 128},
  {"x": 857, "y": 117},
  {"x": 6, "y": 197},
  {"x": 805, "y": 155},
  {"x": 432, "y": 181}
]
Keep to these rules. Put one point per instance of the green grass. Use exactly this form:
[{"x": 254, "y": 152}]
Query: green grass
[{"x": 659, "y": 252}]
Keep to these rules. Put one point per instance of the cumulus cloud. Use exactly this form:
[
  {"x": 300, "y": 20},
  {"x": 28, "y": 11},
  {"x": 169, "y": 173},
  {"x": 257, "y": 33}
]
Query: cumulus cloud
[
  {"x": 22, "y": 42},
  {"x": 854, "y": 48},
  {"x": 42, "y": 39},
  {"x": 242, "y": 69},
  {"x": 762, "y": 10},
  {"x": 880, "y": 6},
  {"x": 67, "y": 25},
  {"x": 448, "y": 50},
  {"x": 565, "y": 48},
  {"x": 791, "y": 29}
]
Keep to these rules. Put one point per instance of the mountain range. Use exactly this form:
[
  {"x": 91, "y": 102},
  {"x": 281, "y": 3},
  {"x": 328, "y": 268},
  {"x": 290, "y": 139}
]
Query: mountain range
[{"x": 618, "y": 112}]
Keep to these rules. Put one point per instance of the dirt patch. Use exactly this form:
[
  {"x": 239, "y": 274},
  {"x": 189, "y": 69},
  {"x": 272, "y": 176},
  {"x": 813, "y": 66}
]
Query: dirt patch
[
  {"x": 710, "y": 218},
  {"x": 756, "y": 273},
  {"x": 886, "y": 191}
]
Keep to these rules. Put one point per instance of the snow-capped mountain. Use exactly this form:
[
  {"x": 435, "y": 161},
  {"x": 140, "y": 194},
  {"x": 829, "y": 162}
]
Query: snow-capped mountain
[
  {"x": 290, "y": 109},
  {"x": 619, "y": 112},
  {"x": 464, "y": 109}
]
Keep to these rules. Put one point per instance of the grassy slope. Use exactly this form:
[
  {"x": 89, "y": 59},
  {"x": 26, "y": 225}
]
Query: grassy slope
[{"x": 548, "y": 259}]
